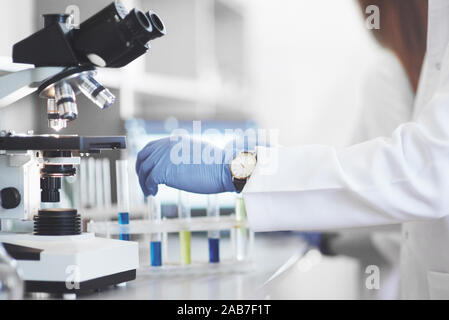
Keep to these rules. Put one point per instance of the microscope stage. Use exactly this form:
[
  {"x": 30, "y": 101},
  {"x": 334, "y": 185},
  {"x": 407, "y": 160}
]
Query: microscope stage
[
  {"x": 72, "y": 264},
  {"x": 90, "y": 144}
]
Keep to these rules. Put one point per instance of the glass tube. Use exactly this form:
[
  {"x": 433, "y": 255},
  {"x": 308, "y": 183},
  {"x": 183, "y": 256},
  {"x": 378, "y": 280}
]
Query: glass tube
[
  {"x": 184, "y": 236},
  {"x": 99, "y": 191},
  {"x": 106, "y": 168},
  {"x": 123, "y": 197},
  {"x": 83, "y": 184},
  {"x": 213, "y": 210},
  {"x": 91, "y": 182},
  {"x": 164, "y": 244},
  {"x": 240, "y": 232},
  {"x": 154, "y": 215}
]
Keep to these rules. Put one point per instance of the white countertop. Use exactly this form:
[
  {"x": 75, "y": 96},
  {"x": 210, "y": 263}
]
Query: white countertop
[{"x": 271, "y": 251}]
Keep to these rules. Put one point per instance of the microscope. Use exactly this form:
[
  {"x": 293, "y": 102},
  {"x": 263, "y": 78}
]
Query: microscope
[{"x": 53, "y": 254}]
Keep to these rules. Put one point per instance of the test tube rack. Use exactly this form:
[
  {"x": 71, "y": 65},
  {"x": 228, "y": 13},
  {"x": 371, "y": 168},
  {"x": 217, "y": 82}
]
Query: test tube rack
[
  {"x": 149, "y": 223},
  {"x": 143, "y": 226},
  {"x": 239, "y": 261}
]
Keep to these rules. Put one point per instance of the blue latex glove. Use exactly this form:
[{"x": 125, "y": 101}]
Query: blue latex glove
[{"x": 186, "y": 164}]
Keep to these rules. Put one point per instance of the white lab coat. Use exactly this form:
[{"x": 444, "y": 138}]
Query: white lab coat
[
  {"x": 386, "y": 100},
  {"x": 401, "y": 178}
]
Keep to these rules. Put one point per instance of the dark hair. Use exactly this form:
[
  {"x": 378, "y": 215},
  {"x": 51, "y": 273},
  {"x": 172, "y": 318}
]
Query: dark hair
[{"x": 403, "y": 29}]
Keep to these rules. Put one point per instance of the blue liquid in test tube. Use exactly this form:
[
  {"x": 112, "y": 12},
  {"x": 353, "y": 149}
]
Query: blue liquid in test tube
[
  {"x": 154, "y": 214},
  {"x": 156, "y": 253},
  {"x": 123, "y": 220},
  {"x": 213, "y": 210},
  {"x": 123, "y": 198}
]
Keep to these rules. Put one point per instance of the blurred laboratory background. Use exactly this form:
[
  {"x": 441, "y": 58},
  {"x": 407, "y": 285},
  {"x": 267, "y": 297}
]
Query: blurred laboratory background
[{"x": 295, "y": 66}]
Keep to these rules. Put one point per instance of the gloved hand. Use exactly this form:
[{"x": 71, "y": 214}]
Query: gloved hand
[{"x": 186, "y": 164}]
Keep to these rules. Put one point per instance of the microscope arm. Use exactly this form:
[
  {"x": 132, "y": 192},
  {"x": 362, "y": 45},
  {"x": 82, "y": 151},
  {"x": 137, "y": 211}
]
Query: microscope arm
[{"x": 16, "y": 85}]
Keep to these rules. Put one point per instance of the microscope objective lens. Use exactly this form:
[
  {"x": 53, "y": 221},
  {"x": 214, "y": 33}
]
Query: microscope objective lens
[
  {"x": 93, "y": 90},
  {"x": 66, "y": 101}
]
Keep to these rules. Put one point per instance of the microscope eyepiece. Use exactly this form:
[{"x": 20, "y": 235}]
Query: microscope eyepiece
[
  {"x": 158, "y": 26},
  {"x": 137, "y": 24}
]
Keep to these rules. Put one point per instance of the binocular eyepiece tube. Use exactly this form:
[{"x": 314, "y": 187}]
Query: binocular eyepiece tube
[
  {"x": 115, "y": 37},
  {"x": 144, "y": 26}
]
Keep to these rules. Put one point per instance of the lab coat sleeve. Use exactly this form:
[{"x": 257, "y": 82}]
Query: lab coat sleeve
[{"x": 387, "y": 180}]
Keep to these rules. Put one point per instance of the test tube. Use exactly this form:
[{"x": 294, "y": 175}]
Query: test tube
[
  {"x": 240, "y": 232},
  {"x": 91, "y": 182},
  {"x": 213, "y": 210},
  {"x": 99, "y": 200},
  {"x": 154, "y": 215},
  {"x": 123, "y": 198},
  {"x": 164, "y": 244},
  {"x": 106, "y": 167},
  {"x": 184, "y": 236},
  {"x": 83, "y": 184}
]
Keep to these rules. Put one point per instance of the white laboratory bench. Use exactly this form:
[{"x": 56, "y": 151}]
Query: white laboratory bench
[{"x": 303, "y": 278}]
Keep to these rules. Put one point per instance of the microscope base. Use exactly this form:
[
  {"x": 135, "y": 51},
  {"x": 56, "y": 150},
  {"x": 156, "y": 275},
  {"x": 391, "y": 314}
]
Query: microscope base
[
  {"x": 71, "y": 264},
  {"x": 84, "y": 287}
]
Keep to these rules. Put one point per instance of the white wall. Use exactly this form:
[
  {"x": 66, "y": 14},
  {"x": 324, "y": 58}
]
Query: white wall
[
  {"x": 306, "y": 61},
  {"x": 16, "y": 23},
  {"x": 306, "y": 58}
]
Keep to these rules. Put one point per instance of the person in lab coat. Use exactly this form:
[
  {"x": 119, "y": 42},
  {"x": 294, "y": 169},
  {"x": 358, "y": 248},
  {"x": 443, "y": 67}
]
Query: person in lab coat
[
  {"x": 386, "y": 99},
  {"x": 400, "y": 178}
]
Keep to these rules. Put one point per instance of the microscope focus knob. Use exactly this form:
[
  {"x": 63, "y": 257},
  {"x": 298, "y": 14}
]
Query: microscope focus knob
[{"x": 10, "y": 198}]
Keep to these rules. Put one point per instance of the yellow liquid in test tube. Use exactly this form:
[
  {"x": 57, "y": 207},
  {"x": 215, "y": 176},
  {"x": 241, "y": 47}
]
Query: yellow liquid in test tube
[
  {"x": 184, "y": 236},
  {"x": 184, "y": 240}
]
